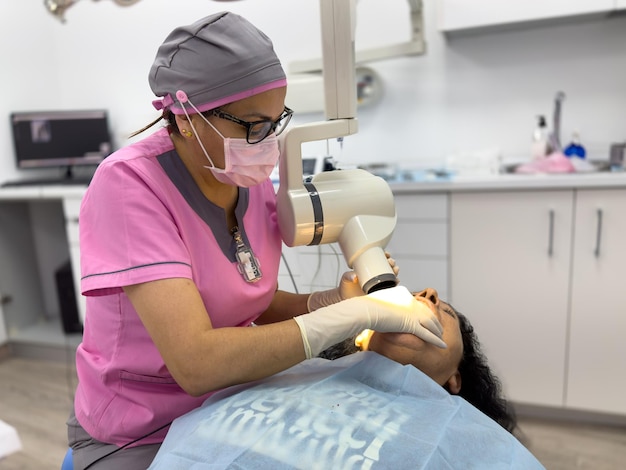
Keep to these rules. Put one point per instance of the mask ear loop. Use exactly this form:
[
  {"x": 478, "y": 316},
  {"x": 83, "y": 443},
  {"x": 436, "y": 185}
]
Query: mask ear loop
[{"x": 182, "y": 98}]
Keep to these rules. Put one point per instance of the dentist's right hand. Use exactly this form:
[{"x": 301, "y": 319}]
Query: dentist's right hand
[{"x": 393, "y": 310}]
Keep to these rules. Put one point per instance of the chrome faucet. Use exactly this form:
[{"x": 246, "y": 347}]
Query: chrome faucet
[{"x": 555, "y": 135}]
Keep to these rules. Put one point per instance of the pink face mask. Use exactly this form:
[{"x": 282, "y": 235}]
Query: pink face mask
[{"x": 245, "y": 164}]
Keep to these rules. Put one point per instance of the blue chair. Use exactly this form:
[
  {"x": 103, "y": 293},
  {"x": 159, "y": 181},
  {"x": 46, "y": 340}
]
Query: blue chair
[{"x": 68, "y": 462}]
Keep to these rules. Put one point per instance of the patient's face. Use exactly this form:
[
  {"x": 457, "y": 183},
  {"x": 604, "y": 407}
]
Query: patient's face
[{"x": 439, "y": 364}]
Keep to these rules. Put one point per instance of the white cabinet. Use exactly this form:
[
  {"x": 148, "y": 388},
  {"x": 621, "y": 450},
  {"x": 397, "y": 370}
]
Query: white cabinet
[
  {"x": 620, "y": 4},
  {"x": 465, "y": 14},
  {"x": 35, "y": 243},
  {"x": 305, "y": 269},
  {"x": 597, "y": 354},
  {"x": 71, "y": 208},
  {"x": 3, "y": 331},
  {"x": 510, "y": 264},
  {"x": 21, "y": 287},
  {"x": 540, "y": 274},
  {"x": 420, "y": 241}
]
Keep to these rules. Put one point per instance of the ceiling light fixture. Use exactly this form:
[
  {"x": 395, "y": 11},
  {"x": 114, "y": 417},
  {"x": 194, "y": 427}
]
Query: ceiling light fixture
[{"x": 59, "y": 7}]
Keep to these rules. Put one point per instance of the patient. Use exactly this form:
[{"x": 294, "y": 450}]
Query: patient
[
  {"x": 461, "y": 369},
  {"x": 370, "y": 409}
]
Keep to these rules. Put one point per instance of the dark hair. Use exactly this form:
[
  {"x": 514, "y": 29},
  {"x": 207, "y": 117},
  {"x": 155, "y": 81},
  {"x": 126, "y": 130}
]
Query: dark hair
[
  {"x": 170, "y": 118},
  {"x": 167, "y": 115},
  {"x": 479, "y": 386}
]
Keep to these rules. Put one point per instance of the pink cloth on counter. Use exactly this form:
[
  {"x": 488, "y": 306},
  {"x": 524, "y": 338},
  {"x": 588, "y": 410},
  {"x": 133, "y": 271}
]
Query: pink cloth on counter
[{"x": 554, "y": 163}]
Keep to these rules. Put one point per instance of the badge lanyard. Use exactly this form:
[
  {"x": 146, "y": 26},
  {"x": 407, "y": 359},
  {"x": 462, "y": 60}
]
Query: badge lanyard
[{"x": 247, "y": 264}]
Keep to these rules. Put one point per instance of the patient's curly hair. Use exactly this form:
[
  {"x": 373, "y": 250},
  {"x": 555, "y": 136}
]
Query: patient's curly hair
[{"x": 479, "y": 386}]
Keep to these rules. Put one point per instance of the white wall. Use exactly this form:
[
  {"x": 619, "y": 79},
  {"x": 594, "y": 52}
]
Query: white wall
[{"x": 466, "y": 93}]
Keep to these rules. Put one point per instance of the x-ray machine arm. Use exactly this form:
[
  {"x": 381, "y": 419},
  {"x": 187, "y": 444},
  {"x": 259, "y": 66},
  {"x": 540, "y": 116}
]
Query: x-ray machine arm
[{"x": 351, "y": 207}]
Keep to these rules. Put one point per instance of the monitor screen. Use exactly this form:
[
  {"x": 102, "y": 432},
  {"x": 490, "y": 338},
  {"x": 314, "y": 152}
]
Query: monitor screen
[{"x": 47, "y": 139}]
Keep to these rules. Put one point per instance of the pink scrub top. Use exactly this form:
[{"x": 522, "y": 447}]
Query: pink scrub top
[{"x": 143, "y": 218}]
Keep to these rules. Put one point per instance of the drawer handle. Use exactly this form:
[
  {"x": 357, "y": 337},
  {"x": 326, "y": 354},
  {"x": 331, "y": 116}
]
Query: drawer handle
[
  {"x": 598, "y": 234},
  {"x": 551, "y": 234}
]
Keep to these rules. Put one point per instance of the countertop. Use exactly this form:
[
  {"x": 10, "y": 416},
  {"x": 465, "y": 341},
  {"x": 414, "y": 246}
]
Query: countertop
[
  {"x": 18, "y": 193},
  {"x": 600, "y": 180},
  {"x": 503, "y": 182}
]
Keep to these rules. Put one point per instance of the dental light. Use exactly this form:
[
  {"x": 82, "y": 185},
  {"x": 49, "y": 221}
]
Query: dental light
[{"x": 351, "y": 207}]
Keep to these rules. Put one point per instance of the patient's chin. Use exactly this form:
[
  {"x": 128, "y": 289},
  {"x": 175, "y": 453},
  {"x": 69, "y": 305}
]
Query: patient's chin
[{"x": 384, "y": 342}]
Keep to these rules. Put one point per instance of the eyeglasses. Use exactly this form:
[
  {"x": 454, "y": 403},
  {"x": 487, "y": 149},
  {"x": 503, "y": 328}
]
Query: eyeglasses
[{"x": 258, "y": 130}]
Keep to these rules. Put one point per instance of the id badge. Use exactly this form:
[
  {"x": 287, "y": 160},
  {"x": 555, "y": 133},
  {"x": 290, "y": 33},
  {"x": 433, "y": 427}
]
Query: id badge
[{"x": 248, "y": 265}]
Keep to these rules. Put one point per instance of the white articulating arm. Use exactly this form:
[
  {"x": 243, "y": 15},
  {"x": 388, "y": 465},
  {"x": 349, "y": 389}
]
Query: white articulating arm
[
  {"x": 305, "y": 93},
  {"x": 351, "y": 207},
  {"x": 338, "y": 29},
  {"x": 414, "y": 46}
]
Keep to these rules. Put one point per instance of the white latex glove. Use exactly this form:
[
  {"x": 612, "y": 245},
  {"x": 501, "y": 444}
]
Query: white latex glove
[
  {"x": 348, "y": 288},
  {"x": 393, "y": 310}
]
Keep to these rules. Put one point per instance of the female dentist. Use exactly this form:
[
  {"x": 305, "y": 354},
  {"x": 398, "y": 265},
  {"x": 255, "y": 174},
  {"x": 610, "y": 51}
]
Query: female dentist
[{"x": 180, "y": 252}]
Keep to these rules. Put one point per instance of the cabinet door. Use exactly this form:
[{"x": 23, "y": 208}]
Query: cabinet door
[
  {"x": 509, "y": 271},
  {"x": 597, "y": 358},
  {"x": 19, "y": 269},
  {"x": 3, "y": 331},
  {"x": 420, "y": 241},
  {"x": 71, "y": 209},
  {"x": 462, "y": 14}
]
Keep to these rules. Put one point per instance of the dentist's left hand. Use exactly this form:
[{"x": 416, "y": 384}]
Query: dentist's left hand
[
  {"x": 393, "y": 310},
  {"x": 348, "y": 288}
]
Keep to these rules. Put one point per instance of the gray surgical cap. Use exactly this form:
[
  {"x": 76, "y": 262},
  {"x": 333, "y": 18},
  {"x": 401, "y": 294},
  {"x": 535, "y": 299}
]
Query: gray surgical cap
[{"x": 217, "y": 60}]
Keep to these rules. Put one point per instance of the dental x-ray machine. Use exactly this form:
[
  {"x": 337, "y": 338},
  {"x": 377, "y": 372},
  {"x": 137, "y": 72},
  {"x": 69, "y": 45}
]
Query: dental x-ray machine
[{"x": 351, "y": 207}]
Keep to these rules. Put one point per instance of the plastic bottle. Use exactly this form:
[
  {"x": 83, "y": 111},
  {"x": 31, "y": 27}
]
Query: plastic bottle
[
  {"x": 539, "y": 146},
  {"x": 575, "y": 149}
]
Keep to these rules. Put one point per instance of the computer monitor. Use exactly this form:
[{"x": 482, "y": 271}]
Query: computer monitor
[{"x": 60, "y": 139}]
